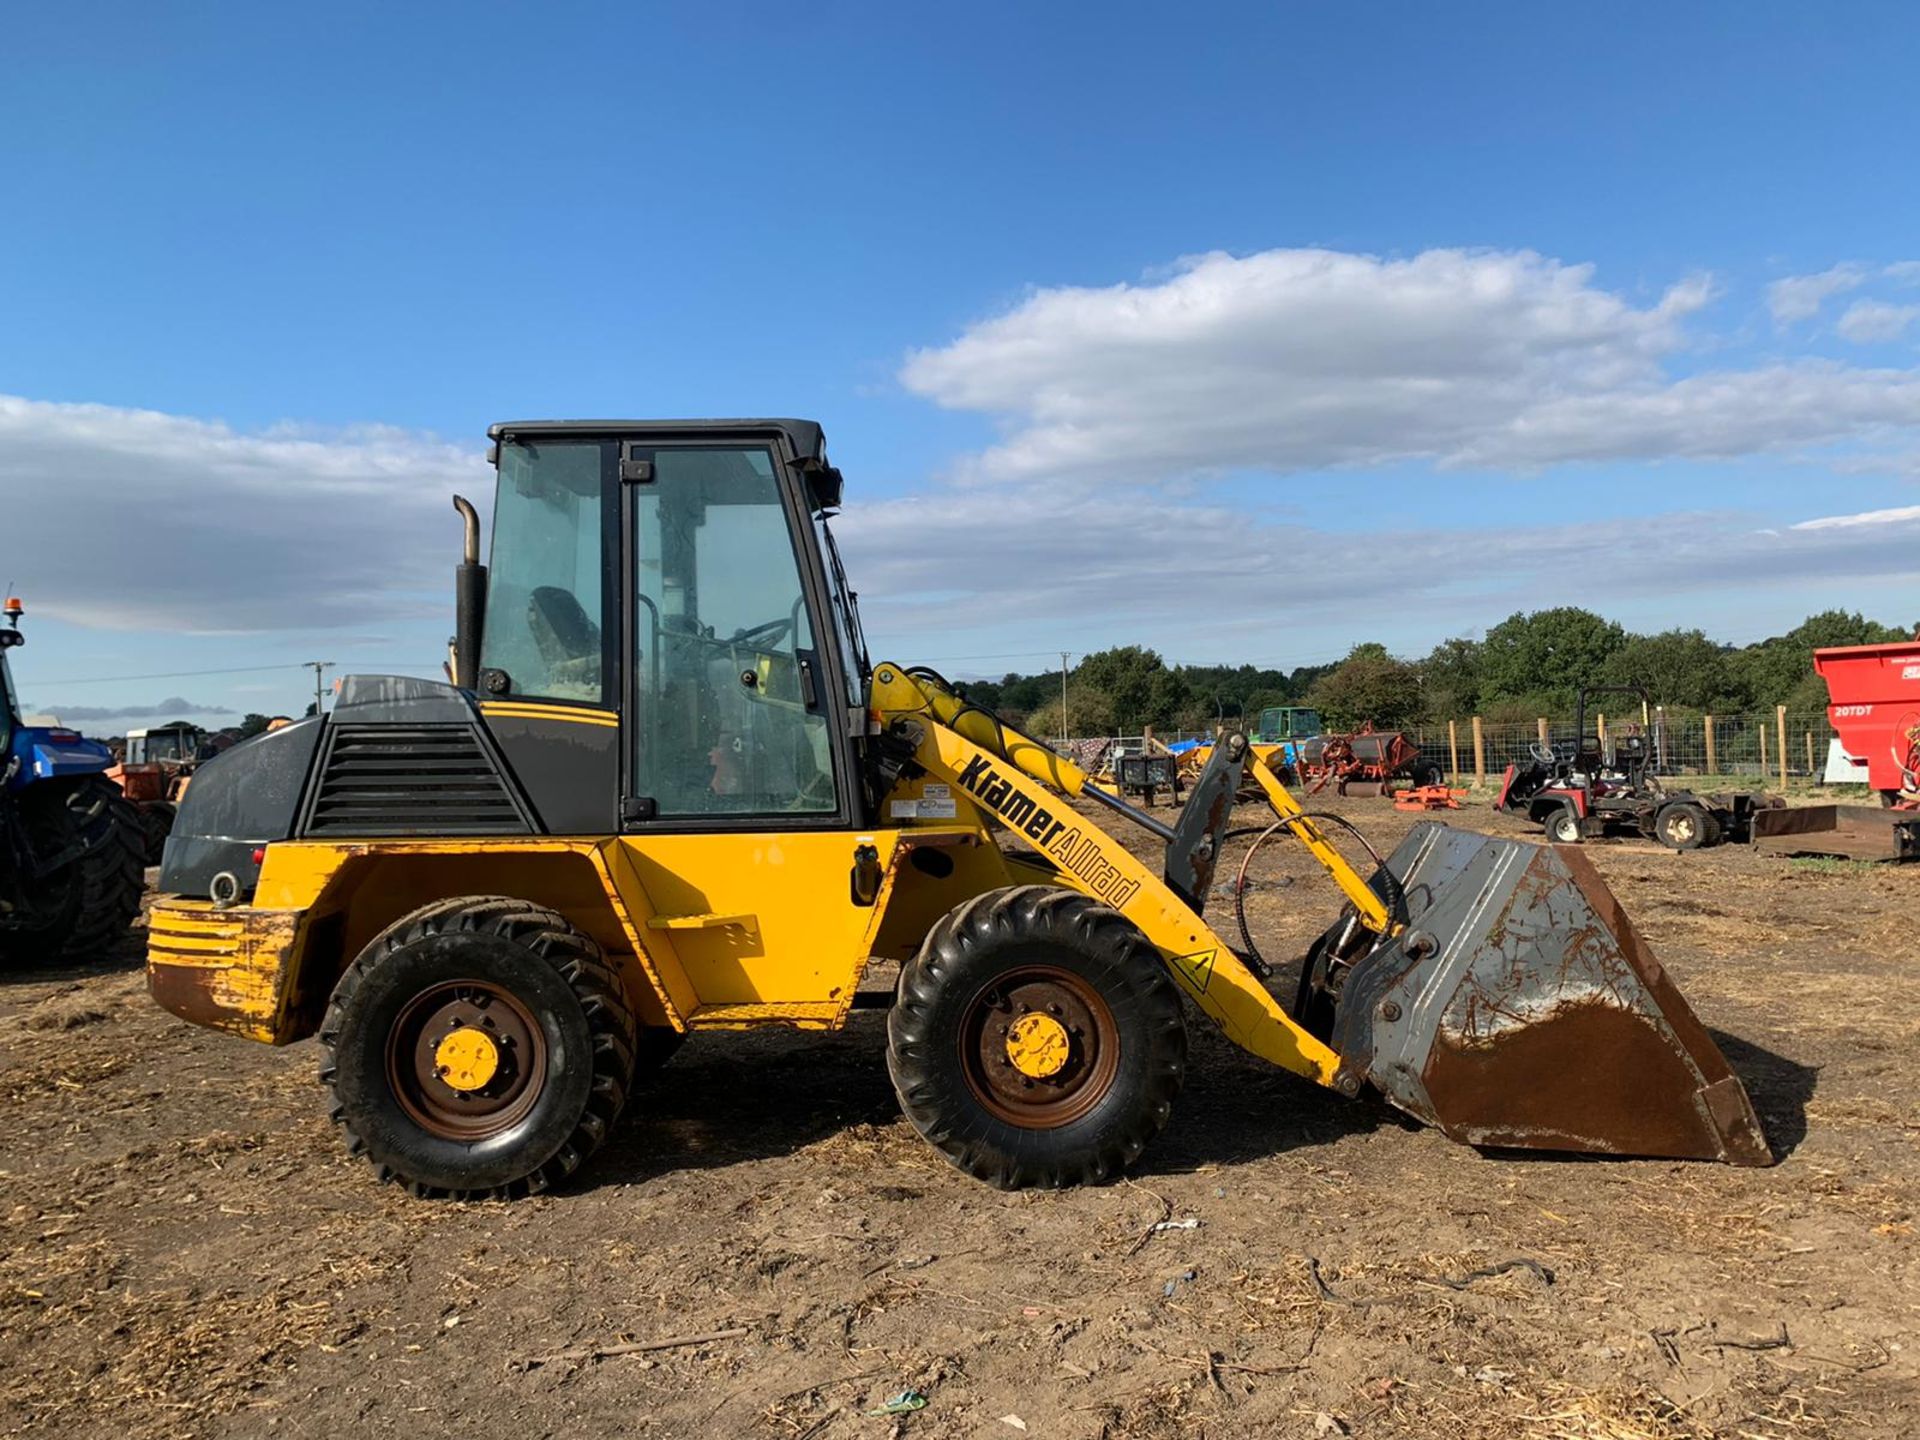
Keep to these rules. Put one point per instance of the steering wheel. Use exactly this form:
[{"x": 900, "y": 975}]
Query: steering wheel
[
  {"x": 762, "y": 634},
  {"x": 1542, "y": 753}
]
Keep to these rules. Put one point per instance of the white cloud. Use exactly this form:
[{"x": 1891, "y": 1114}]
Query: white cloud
[
  {"x": 1075, "y": 564},
  {"x": 137, "y": 520},
  {"x": 1902, "y": 515},
  {"x": 1799, "y": 297},
  {"x": 1294, "y": 360},
  {"x": 1868, "y": 321}
]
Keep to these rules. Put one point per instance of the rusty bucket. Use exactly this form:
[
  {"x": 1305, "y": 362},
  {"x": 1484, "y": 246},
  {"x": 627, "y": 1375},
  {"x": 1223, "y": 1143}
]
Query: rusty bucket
[{"x": 1521, "y": 1008}]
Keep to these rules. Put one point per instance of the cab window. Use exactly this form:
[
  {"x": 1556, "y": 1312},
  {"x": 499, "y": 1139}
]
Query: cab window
[{"x": 728, "y": 717}]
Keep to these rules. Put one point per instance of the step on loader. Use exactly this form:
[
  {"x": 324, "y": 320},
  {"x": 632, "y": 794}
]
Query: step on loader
[{"x": 665, "y": 791}]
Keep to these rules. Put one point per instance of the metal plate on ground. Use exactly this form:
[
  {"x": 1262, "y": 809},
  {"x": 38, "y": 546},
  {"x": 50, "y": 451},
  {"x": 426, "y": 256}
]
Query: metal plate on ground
[{"x": 1853, "y": 832}]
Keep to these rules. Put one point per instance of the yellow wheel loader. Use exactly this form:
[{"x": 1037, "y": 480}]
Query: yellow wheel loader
[{"x": 667, "y": 792}]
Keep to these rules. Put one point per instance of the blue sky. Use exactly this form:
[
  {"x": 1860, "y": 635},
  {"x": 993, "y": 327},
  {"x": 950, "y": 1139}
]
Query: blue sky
[{"x": 1505, "y": 307}]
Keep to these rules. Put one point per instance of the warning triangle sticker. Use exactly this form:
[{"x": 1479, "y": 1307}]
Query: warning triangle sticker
[{"x": 1196, "y": 969}]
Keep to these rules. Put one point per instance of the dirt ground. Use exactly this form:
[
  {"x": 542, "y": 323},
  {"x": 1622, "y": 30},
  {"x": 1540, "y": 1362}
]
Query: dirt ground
[{"x": 186, "y": 1250}]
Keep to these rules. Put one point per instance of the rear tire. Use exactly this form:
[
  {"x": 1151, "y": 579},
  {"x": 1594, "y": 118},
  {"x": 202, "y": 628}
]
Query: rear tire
[
  {"x": 561, "y": 1030},
  {"x": 1428, "y": 774},
  {"x": 1037, "y": 955},
  {"x": 1682, "y": 825},
  {"x": 156, "y": 824},
  {"x": 1563, "y": 826},
  {"x": 87, "y": 907}
]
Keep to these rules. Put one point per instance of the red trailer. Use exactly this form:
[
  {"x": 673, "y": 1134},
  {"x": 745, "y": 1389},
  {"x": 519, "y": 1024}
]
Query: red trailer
[{"x": 1875, "y": 695}]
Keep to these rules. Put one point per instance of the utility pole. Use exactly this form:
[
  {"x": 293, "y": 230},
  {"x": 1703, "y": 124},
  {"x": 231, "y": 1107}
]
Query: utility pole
[
  {"x": 1063, "y": 697},
  {"x": 319, "y": 691}
]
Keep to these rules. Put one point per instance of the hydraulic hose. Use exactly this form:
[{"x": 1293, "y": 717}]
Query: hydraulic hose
[{"x": 1383, "y": 880}]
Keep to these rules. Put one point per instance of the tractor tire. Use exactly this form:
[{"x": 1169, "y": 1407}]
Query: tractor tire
[
  {"x": 1563, "y": 826},
  {"x": 1717, "y": 824},
  {"x": 654, "y": 1046},
  {"x": 532, "y": 1067},
  {"x": 1428, "y": 773},
  {"x": 87, "y": 907},
  {"x": 156, "y": 824},
  {"x": 1682, "y": 825},
  {"x": 1037, "y": 1039}
]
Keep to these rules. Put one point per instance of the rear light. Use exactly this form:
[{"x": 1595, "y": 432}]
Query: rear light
[
  {"x": 259, "y": 854},
  {"x": 64, "y": 737}
]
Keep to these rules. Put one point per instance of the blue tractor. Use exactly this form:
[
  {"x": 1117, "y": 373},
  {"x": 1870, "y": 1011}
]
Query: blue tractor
[{"x": 71, "y": 848}]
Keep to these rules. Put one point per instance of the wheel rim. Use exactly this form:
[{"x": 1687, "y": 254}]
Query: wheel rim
[
  {"x": 1681, "y": 828},
  {"x": 1039, "y": 1047},
  {"x": 466, "y": 1060}
]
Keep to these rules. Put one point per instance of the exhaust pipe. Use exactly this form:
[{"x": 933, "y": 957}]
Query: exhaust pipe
[{"x": 469, "y": 601}]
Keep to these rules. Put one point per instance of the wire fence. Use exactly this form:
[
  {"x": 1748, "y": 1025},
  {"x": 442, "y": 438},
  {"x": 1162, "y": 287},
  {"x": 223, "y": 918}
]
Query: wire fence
[
  {"x": 1683, "y": 743},
  {"x": 1762, "y": 747}
]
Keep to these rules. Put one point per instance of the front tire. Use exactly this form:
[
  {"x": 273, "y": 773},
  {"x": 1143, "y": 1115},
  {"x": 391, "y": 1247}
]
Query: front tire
[
  {"x": 479, "y": 1048},
  {"x": 1563, "y": 826},
  {"x": 1037, "y": 1039}
]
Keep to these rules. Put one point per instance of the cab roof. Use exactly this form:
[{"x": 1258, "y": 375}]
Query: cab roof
[{"x": 805, "y": 436}]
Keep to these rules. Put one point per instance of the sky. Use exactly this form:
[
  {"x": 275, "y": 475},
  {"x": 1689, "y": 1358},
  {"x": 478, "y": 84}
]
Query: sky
[{"x": 1248, "y": 332}]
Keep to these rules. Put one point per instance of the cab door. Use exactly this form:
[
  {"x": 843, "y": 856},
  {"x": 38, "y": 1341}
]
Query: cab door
[{"x": 738, "y": 809}]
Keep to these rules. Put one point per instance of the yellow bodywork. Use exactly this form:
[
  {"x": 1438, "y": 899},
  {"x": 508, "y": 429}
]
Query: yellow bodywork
[{"x": 732, "y": 930}]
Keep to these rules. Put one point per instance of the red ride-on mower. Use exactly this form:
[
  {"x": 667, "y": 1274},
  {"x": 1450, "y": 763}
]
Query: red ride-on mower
[{"x": 1578, "y": 790}]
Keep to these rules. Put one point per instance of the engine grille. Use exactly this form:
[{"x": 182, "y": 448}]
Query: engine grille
[{"x": 411, "y": 780}]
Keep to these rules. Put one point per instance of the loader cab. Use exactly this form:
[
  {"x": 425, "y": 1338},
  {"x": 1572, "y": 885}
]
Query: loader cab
[{"x": 680, "y": 580}]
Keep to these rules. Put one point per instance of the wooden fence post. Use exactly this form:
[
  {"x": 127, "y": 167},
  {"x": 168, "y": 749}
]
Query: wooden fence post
[
  {"x": 1479, "y": 753},
  {"x": 1546, "y": 734},
  {"x": 1763, "y": 752},
  {"x": 1811, "y": 776},
  {"x": 1600, "y": 729},
  {"x": 1780, "y": 719},
  {"x": 1713, "y": 760},
  {"x": 1453, "y": 751}
]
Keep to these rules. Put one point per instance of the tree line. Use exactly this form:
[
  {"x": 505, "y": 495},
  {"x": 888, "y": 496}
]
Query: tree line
[{"x": 1532, "y": 663}]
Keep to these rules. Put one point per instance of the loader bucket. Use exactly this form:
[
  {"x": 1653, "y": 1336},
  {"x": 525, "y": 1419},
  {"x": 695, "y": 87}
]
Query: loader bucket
[{"x": 1521, "y": 1008}]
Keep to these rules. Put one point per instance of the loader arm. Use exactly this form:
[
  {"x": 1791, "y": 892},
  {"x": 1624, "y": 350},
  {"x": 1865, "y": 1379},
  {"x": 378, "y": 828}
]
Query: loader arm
[
  {"x": 1017, "y": 779},
  {"x": 917, "y": 695}
]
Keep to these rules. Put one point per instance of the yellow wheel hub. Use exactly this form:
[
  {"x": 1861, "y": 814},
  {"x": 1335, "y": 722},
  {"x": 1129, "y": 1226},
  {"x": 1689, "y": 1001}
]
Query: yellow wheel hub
[
  {"x": 1038, "y": 1045},
  {"x": 468, "y": 1058}
]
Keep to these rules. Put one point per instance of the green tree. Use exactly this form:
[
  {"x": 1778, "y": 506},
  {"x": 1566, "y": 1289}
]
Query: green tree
[
  {"x": 1126, "y": 676},
  {"x": 1368, "y": 685},
  {"x": 1167, "y": 696},
  {"x": 1547, "y": 655},
  {"x": 1089, "y": 713},
  {"x": 1676, "y": 667},
  {"x": 1779, "y": 671},
  {"x": 1023, "y": 693},
  {"x": 1450, "y": 679}
]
